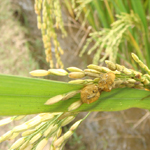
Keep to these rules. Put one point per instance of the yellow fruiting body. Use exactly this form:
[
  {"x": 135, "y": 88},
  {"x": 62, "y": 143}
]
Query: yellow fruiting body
[
  {"x": 5, "y": 121},
  {"x": 28, "y": 132},
  {"x": 13, "y": 136},
  {"x": 74, "y": 69},
  {"x": 60, "y": 140},
  {"x": 24, "y": 145},
  {"x": 106, "y": 81},
  {"x": 76, "y": 75},
  {"x": 39, "y": 73},
  {"x": 59, "y": 72},
  {"x": 18, "y": 143},
  {"x": 78, "y": 81},
  {"x": 6, "y": 136},
  {"x": 67, "y": 120},
  {"x": 75, "y": 105},
  {"x": 70, "y": 94},
  {"x": 51, "y": 129},
  {"x": 54, "y": 100},
  {"x": 42, "y": 144},
  {"x": 35, "y": 138},
  {"x": 90, "y": 94},
  {"x": 75, "y": 125}
]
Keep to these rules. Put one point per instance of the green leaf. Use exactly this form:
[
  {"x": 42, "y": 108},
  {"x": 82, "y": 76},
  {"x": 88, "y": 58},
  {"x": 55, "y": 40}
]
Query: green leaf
[
  {"x": 120, "y": 99},
  {"x": 99, "y": 7},
  {"x": 20, "y": 96}
]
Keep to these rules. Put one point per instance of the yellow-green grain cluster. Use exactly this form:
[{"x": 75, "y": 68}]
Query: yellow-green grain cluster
[
  {"x": 10, "y": 119},
  {"x": 49, "y": 17},
  {"x": 36, "y": 132},
  {"x": 124, "y": 77},
  {"x": 58, "y": 98},
  {"x": 142, "y": 65},
  {"x": 80, "y": 7},
  {"x": 93, "y": 74},
  {"x": 110, "y": 39}
]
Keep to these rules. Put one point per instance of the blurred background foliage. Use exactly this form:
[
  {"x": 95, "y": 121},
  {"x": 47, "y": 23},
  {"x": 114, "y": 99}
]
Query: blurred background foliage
[
  {"x": 113, "y": 29},
  {"x": 118, "y": 28}
]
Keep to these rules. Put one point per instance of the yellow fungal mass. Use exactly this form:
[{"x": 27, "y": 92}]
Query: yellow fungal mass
[
  {"x": 106, "y": 82},
  {"x": 90, "y": 94}
]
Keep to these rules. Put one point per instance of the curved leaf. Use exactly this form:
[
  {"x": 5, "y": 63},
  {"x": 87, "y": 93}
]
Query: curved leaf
[
  {"x": 120, "y": 99},
  {"x": 20, "y": 96}
]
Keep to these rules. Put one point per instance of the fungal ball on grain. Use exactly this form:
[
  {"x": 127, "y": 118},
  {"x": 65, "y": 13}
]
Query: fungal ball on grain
[
  {"x": 106, "y": 82},
  {"x": 90, "y": 94}
]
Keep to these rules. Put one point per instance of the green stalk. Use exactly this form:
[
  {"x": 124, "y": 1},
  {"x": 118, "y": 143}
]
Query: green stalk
[
  {"x": 138, "y": 8},
  {"x": 121, "y": 6},
  {"x": 90, "y": 17},
  {"x": 69, "y": 7},
  {"x": 148, "y": 6},
  {"x": 136, "y": 46},
  {"x": 109, "y": 11},
  {"x": 99, "y": 7}
]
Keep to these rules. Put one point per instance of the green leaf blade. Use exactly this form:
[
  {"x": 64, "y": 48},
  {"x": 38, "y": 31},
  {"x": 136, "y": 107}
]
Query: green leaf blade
[
  {"x": 120, "y": 99},
  {"x": 22, "y": 96},
  {"x": 19, "y": 95}
]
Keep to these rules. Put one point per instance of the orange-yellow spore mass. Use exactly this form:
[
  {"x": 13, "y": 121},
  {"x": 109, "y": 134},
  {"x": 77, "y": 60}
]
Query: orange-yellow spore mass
[
  {"x": 90, "y": 94},
  {"x": 106, "y": 82}
]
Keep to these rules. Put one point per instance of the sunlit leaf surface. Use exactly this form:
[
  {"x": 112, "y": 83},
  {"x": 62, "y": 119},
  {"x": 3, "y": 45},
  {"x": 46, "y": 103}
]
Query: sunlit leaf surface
[{"x": 19, "y": 95}]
